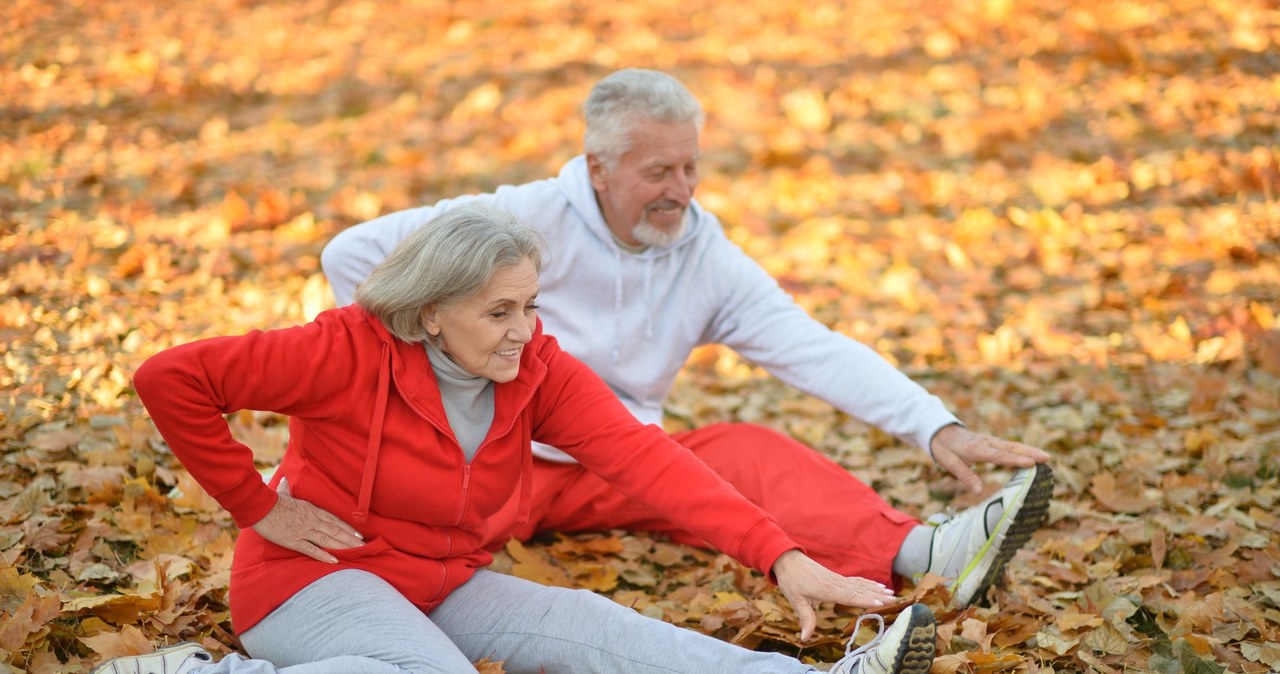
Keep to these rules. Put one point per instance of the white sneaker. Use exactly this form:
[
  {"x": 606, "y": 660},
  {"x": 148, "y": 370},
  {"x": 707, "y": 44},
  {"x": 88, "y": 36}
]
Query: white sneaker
[
  {"x": 179, "y": 659},
  {"x": 968, "y": 550},
  {"x": 907, "y": 647}
]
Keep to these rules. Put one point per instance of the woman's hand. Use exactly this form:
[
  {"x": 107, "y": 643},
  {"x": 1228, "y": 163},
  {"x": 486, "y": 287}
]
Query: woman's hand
[
  {"x": 807, "y": 583},
  {"x": 300, "y": 526}
]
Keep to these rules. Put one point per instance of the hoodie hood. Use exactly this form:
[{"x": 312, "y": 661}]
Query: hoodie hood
[{"x": 575, "y": 183}]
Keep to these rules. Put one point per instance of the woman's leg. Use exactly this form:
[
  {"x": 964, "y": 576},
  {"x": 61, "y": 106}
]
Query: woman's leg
[
  {"x": 532, "y": 628},
  {"x": 349, "y": 622}
]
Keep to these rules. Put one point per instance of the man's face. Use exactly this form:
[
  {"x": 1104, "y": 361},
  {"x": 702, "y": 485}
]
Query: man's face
[{"x": 645, "y": 195}]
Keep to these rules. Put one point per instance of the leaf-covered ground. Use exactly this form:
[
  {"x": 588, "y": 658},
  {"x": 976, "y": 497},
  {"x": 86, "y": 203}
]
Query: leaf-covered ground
[{"x": 1061, "y": 216}]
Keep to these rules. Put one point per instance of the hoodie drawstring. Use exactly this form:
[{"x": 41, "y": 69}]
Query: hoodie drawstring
[
  {"x": 361, "y": 513},
  {"x": 617, "y": 302},
  {"x": 526, "y": 486},
  {"x": 648, "y": 289}
]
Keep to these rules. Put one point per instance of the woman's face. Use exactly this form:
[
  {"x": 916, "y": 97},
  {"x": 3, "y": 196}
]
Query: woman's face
[{"x": 486, "y": 333}]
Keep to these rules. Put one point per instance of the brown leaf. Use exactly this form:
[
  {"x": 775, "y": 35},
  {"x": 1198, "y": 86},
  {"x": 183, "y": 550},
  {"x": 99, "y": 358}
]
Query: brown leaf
[
  {"x": 1121, "y": 495},
  {"x": 30, "y": 618},
  {"x": 128, "y": 641},
  {"x": 1159, "y": 548},
  {"x": 1266, "y": 350}
]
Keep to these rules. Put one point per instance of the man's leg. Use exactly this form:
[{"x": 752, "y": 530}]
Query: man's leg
[
  {"x": 840, "y": 521},
  {"x": 532, "y": 628}
]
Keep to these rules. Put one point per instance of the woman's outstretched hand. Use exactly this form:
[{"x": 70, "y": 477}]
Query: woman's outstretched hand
[
  {"x": 300, "y": 526},
  {"x": 807, "y": 583}
]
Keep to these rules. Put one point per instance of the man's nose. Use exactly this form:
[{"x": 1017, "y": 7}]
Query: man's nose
[{"x": 680, "y": 187}]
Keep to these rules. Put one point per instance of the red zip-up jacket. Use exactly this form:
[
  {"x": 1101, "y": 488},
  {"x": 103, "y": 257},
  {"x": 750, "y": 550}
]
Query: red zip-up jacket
[{"x": 370, "y": 442}]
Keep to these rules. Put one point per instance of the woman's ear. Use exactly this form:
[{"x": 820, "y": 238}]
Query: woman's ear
[{"x": 430, "y": 321}]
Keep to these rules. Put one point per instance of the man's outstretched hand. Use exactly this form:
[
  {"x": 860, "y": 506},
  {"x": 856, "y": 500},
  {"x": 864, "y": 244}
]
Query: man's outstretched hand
[{"x": 957, "y": 448}]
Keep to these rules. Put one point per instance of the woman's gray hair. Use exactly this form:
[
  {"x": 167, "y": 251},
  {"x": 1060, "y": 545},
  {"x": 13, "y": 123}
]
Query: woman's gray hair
[
  {"x": 451, "y": 257},
  {"x": 621, "y": 100}
]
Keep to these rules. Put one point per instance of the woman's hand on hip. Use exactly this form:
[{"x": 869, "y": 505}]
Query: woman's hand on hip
[
  {"x": 300, "y": 526},
  {"x": 807, "y": 583}
]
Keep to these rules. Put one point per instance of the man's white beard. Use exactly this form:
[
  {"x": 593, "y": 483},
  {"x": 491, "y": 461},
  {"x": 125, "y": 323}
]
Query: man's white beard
[{"x": 646, "y": 233}]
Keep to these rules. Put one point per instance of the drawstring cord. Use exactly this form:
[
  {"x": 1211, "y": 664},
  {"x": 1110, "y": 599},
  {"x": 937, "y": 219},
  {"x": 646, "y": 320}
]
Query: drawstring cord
[
  {"x": 617, "y": 302},
  {"x": 648, "y": 299},
  {"x": 361, "y": 513}
]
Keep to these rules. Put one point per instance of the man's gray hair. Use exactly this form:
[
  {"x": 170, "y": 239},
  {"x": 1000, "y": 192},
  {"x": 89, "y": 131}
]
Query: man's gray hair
[
  {"x": 451, "y": 257},
  {"x": 621, "y": 100}
]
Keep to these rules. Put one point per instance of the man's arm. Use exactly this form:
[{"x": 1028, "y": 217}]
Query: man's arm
[
  {"x": 760, "y": 321},
  {"x": 350, "y": 257}
]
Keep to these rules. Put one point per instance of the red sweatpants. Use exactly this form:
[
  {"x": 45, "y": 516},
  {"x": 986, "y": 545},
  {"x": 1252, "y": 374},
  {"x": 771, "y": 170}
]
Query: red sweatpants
[{"x": 839, "y": 521}]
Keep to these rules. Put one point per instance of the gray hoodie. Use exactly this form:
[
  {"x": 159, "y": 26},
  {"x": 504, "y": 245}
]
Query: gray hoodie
[{"x": 635, "y": 317}]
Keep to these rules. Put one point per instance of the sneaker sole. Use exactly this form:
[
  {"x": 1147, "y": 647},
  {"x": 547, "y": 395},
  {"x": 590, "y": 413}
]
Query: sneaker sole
[
  {"x": 1028, "y": 518},
  {"x": 921, "y": 643}
]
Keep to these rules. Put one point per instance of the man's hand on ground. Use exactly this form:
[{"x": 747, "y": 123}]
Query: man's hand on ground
[{"x": 957, "y": 448}]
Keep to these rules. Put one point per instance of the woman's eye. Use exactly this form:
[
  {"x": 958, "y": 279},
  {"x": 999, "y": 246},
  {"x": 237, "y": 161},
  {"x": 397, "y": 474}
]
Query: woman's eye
[
  {"x": 531, "y": 307},
  {"x": 498, "y": 314}
]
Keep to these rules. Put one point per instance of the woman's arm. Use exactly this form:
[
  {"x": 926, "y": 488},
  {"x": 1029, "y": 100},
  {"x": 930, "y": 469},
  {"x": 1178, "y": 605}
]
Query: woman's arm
[
  {"x": 577, "y": 412},
  {"x": 297, "y": 371}
]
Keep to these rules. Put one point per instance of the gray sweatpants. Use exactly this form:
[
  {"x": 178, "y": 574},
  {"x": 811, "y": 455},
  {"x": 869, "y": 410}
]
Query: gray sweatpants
[{"x": 352, "y": 622}]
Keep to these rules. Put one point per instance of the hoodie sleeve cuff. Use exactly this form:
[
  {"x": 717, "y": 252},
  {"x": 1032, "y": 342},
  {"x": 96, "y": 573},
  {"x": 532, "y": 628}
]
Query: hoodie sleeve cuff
[
  {"x": 763, "y": 544},
  {"x": 249, "y": 501},
  {"x": 930, "y": 428}
]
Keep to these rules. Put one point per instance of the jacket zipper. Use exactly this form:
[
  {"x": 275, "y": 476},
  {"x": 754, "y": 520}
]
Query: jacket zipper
[{"x": 466, "y": 467}]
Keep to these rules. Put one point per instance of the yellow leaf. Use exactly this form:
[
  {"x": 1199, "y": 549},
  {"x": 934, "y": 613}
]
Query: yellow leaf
[
  {"x": 116, "y": 608},
  {"x": 485, "y": 666},
  {"x": 530, "y": 566},
  {"x": 595, "y": 577},
  {"x": 806, "y": 108}
]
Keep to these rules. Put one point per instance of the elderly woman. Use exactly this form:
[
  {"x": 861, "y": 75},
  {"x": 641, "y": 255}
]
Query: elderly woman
[{"x": 411, "y": 416}]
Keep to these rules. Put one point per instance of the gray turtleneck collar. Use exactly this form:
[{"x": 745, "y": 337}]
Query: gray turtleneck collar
[{"x": 467, "y": 398}]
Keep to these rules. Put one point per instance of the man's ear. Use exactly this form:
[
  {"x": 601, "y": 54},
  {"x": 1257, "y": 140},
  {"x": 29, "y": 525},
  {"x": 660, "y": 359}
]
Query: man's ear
[
  {"x": 597, "y": 172},
  {"x": 430, "y": 320}
]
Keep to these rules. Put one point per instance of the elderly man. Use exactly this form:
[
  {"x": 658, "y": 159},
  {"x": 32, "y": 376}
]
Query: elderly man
[{"x": 639, "y": 274}]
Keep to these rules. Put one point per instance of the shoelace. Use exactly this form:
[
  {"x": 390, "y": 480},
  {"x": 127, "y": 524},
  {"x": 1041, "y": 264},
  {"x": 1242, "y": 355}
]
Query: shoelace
[{"x": 856, "y": 656}]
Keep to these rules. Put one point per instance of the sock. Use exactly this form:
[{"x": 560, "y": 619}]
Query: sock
[
  {"x": 913, "y": 556},
  {"x": 917, "y": 547}
]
